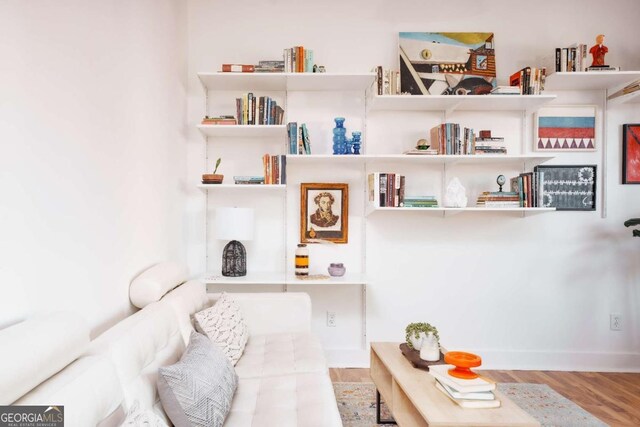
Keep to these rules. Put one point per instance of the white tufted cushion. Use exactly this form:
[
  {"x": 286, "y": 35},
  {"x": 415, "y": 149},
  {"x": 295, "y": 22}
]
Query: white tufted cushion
[
  {"x": 89, "y": 390},
  {"x": 279, "y": 354},
  {"x": 37, "y": 348},
  {"x": 138, "y": 346},
  {"x": 300, "y": 400},
  {"x": 224, "y": 325},
  {"x": 156, "y": 281}
]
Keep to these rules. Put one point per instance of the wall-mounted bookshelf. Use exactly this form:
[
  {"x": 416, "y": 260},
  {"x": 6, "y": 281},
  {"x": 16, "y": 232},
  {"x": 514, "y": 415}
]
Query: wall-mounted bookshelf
[
  {"x": 589, "y": 80},
  {"x": 247, "y": 131}
]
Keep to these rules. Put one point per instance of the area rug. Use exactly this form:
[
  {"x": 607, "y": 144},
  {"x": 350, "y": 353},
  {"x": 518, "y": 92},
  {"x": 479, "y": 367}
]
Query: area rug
[{"x": 357, "y": 405}]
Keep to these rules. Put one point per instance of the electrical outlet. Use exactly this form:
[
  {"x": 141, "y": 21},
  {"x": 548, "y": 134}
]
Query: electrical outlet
[
  {"x": 615, "y": 322},
  {"x": 331, "y": 319}
]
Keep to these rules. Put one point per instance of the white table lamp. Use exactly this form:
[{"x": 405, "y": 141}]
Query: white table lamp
[{"x": 234, "y": 224}]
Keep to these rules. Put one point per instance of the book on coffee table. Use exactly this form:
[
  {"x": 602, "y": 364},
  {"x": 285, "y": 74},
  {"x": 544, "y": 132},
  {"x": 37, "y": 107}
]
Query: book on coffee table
[
  {"x": 480, "y": 384},
  {"x": 469, "y": 403}
]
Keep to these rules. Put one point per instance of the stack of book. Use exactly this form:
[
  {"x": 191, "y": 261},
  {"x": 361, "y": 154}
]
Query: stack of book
[
  {"x": 490, "y": 145},
  {"x": 529, "y": 80},
  {"x": 422, "y": 151},
  {"x": 567, "y": 59},
  {"x": 248, "y": 179},
  {"x": 499, "y": 199},
  {"x": 263, "y": 110},
  {"x": 387, "y": 81},
  {"x": 298, "y": 60},
  {"x": 506, "y": 90},
  {"x": 219, "y": 120},
  {"x": 299, "y": 139},
  {"x": 386, "y": 189},
  {"x": 529, "y": 187},
  {"x": 476, "y": 393},
  {"x": 270, "y": 66},
  {"x": 274, "y": 169},
  {"x": 449, "y": 139},
  {"x": 419, "y": 202}
]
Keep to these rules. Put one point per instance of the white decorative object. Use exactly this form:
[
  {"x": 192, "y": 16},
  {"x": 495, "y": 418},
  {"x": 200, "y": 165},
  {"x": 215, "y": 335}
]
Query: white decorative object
[
  {"x": 224, "y": 325},
  {"x": 456, "y": 196},
  {"x": 417, "y": 342},
  {"x": 430, "y": 350}
]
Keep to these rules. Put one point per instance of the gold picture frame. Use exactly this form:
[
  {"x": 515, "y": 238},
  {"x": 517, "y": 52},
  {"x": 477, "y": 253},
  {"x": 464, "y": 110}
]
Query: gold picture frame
[{"x": 324, "y": 212}]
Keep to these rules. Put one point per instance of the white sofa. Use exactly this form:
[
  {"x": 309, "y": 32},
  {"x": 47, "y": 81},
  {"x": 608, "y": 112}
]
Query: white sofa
[{"x": 283, "y": 375}]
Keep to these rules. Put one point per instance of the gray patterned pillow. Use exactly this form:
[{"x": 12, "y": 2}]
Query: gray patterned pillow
[
  {"x": 224, "y": 325},
  {"x": 197, "y": 391}
]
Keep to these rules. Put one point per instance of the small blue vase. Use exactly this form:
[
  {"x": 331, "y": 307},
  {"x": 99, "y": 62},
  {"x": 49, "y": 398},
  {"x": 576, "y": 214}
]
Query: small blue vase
[
  {"x": 339, "y": 137},
  {"x": 355, "y": 141}
]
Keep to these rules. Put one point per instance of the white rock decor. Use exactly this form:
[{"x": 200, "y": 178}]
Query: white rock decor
[{"x": 455, "y": 196}]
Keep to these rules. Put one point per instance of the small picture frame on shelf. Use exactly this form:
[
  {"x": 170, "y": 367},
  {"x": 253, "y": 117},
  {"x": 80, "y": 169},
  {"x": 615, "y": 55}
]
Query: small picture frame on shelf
[
  {"x": 324, "y": 212},
  {"x": 631, "y": 154},
  {"x": 569, "y": 187},
  {"x": 565, "y": 128}
]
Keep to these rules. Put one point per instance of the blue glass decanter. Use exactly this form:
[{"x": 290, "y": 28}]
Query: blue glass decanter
[
  {"x": 339, "y": 137},
  {"x": 355, "y": 141}
]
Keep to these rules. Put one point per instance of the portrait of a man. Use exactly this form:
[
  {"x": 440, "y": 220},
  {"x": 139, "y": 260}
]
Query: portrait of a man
[{"x": 324, "y": 212}]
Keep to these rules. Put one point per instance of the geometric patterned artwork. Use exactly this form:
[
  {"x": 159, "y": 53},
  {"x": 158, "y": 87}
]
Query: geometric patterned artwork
[
  {"x": 566, "y": 128},
  {"x": 569, "y": 188},
  {"x": 631, "y": 154},
  {"x": 447, "y": 63}
]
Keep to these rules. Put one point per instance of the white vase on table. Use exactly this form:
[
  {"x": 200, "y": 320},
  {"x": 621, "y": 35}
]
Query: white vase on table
[{"x": 430, "y": 350}]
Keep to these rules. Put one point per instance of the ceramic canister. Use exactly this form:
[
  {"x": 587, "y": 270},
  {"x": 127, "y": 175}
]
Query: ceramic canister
[{"x": 302, "y": 260}]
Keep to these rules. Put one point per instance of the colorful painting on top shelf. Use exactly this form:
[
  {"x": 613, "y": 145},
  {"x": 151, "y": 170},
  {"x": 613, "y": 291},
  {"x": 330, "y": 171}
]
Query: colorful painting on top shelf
[
  {"x": 565, "y": 128},
  {"x": 447, "y": 63}
]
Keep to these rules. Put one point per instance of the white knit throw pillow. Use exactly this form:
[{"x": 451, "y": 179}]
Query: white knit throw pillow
[{"x": 224, "y": 325}]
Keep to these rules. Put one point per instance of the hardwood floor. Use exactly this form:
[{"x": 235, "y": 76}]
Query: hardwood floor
[{"x": 612, "y": 397}]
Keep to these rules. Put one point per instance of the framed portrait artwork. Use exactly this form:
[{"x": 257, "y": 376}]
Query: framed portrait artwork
[
  {"x": 568, "y": 188},
  {"x": 565, "y": 128},
  {"x": 324, "y": 212},
  {"x": 631, "y": 154}
]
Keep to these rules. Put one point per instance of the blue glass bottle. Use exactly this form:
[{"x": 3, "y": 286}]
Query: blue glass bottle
[
  {"x": 339, "y": 137},
  {"x": 355, "y": 141}
]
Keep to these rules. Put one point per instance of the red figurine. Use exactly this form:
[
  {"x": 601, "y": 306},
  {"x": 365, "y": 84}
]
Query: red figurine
[{"x": 598, "y": 51}]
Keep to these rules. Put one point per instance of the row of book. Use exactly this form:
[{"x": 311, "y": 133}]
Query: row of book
[
  {"x": 529, "y": 187},
  {"x": 274, "y": 168},
  {"x": 298, "y": 137},
  {"x": 475, "y": 393},
  {"x": 386, "y": 189},
  {"x": 572, "y": 59},
  {"x": 298, "y": 60},
  {"x": 263, "y": 110},
  {"x": 448, "y": 138},
  {"x": 529, "y": 80},
  {"x": 387, "y": 81}
]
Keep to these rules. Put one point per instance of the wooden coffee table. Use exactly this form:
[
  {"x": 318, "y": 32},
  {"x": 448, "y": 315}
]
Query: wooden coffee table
[{"x": 414, "y": 400}]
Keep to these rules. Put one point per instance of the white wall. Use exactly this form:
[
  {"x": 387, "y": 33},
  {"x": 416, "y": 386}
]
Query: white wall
[
  {"x": 92, "y": 114},
  {"x": 532, "y": 292}
]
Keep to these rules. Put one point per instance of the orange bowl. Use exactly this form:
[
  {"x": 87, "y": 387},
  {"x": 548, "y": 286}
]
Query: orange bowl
[{"x": 462, "y": 362}]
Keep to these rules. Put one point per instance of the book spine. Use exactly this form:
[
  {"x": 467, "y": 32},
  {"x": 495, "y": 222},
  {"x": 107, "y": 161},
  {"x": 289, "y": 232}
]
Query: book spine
[
  {"x": 558, "y": 59},
  {"x": 383, "y": 190}
]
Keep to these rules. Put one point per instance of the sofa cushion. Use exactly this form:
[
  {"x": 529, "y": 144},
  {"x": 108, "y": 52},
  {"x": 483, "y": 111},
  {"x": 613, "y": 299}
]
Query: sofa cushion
[
  {"x": 279, "y": 354},
  {"x": 36, "y": 349},
  {"x": 224, "y": 325},
  {"x": 299, "y": 400},
  {"x": 198, "y": 390},
  {"x": 156, "y": 281}
]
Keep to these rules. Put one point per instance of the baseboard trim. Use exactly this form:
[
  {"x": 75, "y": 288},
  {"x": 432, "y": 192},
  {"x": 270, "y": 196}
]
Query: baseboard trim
[{"x": 517, "y": 360}]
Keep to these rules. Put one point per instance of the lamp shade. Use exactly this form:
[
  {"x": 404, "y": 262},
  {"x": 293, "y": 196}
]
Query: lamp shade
[{"x": 234, "y": 224}]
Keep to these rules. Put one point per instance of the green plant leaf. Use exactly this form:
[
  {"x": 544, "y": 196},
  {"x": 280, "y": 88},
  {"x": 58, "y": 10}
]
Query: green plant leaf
[{"x": 217, "y": 164}]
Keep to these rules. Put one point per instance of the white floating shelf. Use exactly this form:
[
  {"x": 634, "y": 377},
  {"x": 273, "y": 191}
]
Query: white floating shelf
[
  {"x": 431, "y": 159},
  {"x": 589, "y": 80},
  {"x": 287, "y": 81},
  {"x": 451, "y": 103},
  {"x": 255, "y": 187},
  {"x": 248, "y": 131},
  {"x": 278, "y": 278},
  {"x": 454, "y": 211}
]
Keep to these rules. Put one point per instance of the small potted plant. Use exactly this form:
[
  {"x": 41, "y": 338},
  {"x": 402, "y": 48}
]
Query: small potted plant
[
  {"x": 213, "y": 178},
  {"x": 415, "y": 333}
]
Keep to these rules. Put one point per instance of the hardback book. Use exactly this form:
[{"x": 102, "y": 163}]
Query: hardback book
[
  {"x": 238, "y": 68},
  {"x": 475, "y": 404},
  {"x": 481, "y": 395},
  {"x": 441, "y": 373}
]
